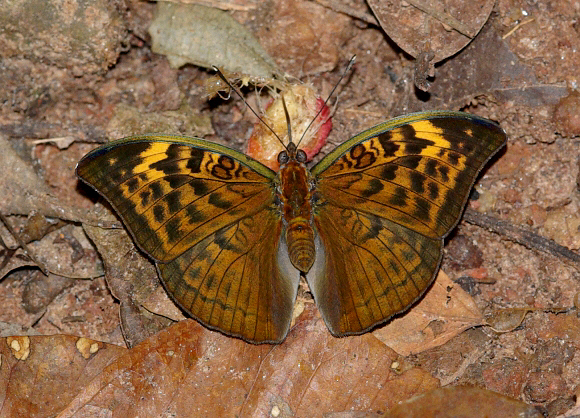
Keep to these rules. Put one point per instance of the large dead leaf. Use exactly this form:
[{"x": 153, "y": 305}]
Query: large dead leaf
[
  {"x": 40, "y": 376},
  {"x": 444, "y": 312},
  {"x": 187, "y": 370},
  {"x": 486, "y": 66},
  {"x": 24, "y": 192},
  {"x": 426, "y": 26}
]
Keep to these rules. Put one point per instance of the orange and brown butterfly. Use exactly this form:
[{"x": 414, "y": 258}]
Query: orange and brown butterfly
[{"x": 364, "y": 226}]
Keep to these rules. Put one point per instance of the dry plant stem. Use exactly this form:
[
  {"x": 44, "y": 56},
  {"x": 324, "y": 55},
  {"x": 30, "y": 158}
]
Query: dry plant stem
[
  {"x": 338, "y": 7},
  {"x": 23, "y": 245},
  {"x": 442, "y": 17},
  {"x": 516, "y": 27},
  {"x": 520, "y": 235},
  {"x": 223, "y": 5}
]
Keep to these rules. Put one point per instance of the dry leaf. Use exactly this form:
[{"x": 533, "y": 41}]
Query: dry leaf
[
  {"x": 423, "y": 26},
  {"x": 460, "y": 402},
  {"x": 444, "y": 312},
  {"x": 187, "y": 370},
  {"x": 188, "y": 33},
  {"x": 41, "y": 375}
]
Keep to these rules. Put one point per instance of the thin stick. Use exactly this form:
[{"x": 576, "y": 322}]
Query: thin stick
[
  {"x": 23, "y": 245},
  {"x": 442, "y": 17},
  {"x": 516, "y": 27},
  {"x": 520, "y": 235}
]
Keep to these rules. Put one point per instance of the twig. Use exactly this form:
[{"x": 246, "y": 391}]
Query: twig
[
  {"x": 341, "y": 8},
  {"x": 443, "y": 17},
  {"x": 520, "y": 235},
  {"x": 23, "y": 245},
  {"x": 519, "y": 25}
]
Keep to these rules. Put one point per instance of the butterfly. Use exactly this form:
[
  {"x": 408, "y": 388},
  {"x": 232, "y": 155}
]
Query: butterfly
[{"x": 364, "y": 226}]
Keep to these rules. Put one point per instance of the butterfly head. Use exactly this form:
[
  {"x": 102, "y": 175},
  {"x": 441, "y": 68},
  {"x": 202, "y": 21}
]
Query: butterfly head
[{"x": 292, "y": 153}]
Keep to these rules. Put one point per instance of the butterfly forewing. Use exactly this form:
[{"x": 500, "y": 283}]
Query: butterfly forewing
[
  {"x": 391, "y": 194},
  {"x": 204, "y": 213},
  {"x": 172, "y": 192}
]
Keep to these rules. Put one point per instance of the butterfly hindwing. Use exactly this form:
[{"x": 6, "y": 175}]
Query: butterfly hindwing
[
  {"x": 232, "y": 281},
  {"x": 373, "y": 268},
  {"x": 386, "y": 200},
  {"x": 204, "y": 213}
]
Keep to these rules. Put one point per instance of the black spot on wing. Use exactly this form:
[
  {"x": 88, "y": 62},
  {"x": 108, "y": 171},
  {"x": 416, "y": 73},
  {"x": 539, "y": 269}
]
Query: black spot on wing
[
  {"x": 399, "y": 198},
  {"x": 216, "y": 200},
  {"x": 194, "y": 215},
  {"x": 159, "y": 213},
  {"x": 172, "y": 229},
  {"x": 444, "y": 173},
  {"x": 433, "y": 191},
  {"x": 453, "y": 158},
  {"x": 417, "y": 182},
  {"x": 132, "y": 185},
  {"x": 431, "y": 168},
  {"x": 145, "y": 197},
  {"x": 411, "y": 161},
  {"x": 389, "y": 172},
  {"x": 173, "y": 201},
  {"x": 417, "y": 146},
  {"x": 169, "y": 164},
  {"x": 390, "y": 148},
  {"x": 156, "y": 190},
  {"x": 374, "y": 186},
  {"x": 177, "y": 180},
  {"x": 199, "y": 187},
  {"x": 422, "y": 209},
  {"x": 195, "y": 160}
]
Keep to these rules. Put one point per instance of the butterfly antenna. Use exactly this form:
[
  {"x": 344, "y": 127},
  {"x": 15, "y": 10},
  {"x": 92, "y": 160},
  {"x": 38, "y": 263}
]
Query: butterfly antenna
[
  {"x": 287, "y": 120},
  {"x": 345, "y": 72},
  {"x": 230, "y": 85}
]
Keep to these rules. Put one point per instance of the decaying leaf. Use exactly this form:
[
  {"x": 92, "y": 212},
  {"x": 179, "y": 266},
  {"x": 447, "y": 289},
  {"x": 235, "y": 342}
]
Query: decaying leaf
[
  {"x": 486, "y": 66},
  {"x": 444, "y": 312},
  {"x": 429, "y": 31},
  {"x": 458, "y": 402},
  {"x": 188, "y": 33},
  {"x": 24, "y": 192},
  {"x": 187, "y": 370}
]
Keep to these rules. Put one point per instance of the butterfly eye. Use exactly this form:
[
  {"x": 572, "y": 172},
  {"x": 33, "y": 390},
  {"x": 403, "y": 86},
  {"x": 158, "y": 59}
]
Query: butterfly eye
[
  {"x": 283, "y": 157},
  {"x": 301, "y": 156}
]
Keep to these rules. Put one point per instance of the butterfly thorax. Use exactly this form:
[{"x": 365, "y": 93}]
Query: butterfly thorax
[{"x": 295, "y": 196}]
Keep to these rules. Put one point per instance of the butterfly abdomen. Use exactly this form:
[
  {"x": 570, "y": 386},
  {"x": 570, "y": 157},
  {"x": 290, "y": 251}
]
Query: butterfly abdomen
[{"x": 300, "y": 243}]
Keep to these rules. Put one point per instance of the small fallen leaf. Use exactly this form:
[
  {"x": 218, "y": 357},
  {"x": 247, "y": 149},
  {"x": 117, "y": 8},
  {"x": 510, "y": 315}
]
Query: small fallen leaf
[
  {"x": 189, "y": 33},
  {"x": 458, "y": 402},
  {"x": 444, "y": 312}
]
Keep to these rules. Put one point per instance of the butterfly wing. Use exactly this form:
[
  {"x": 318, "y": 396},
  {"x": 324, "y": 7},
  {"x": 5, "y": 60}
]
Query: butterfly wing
[
  {"x": 205, "y": 214},
  {"x": 387, "y": 198}
]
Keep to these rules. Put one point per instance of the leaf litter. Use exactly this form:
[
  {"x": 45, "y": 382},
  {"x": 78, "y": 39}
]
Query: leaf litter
[{"x": 314, "y": 367}]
